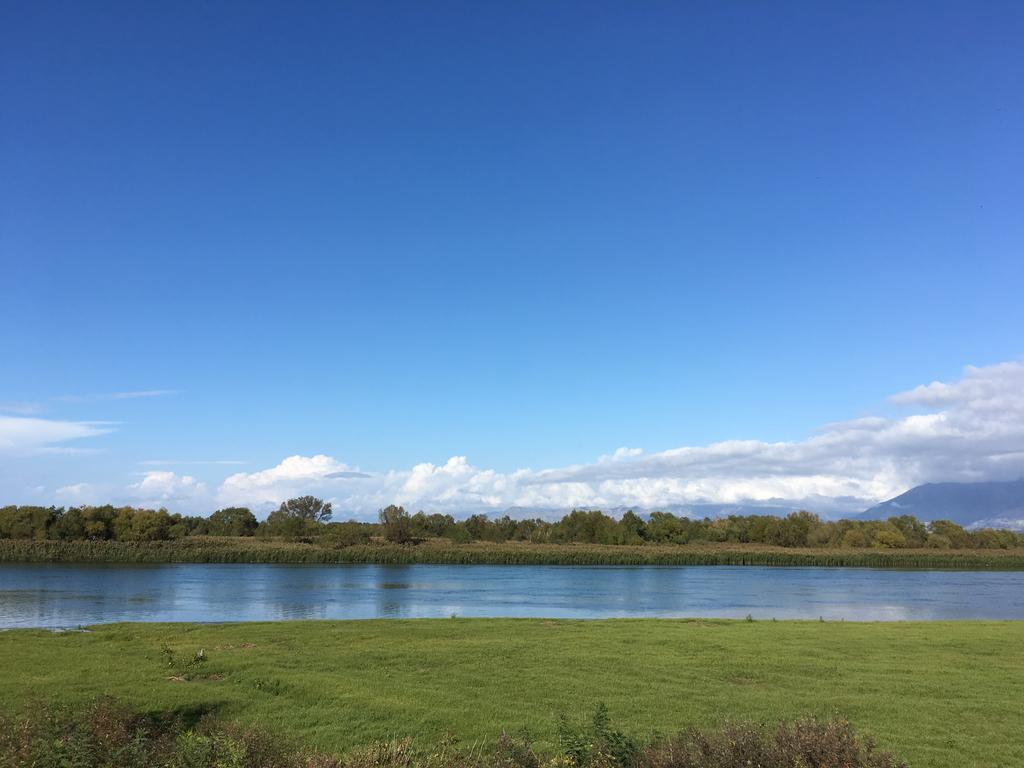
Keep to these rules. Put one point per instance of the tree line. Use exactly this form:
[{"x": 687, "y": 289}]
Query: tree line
[{"x": 309, "y": 518}]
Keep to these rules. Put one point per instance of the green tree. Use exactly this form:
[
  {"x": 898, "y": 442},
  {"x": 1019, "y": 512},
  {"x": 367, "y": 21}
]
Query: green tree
[
  {"x": 587, "y": 526},
  {"x": 957, "y": 536},
  {"x": 150, "y": 525},
  {"x": 99, "y": 522},
  {"x": 458, "y": 533},
  {"x": 307, "y": 508},
  {"x": 664, "y": 528},
  {"x": 914, "y": 531},
  {"x": 794, "y": 529},
  {"x": 232, "y": 521},
  {"x": 396, "y": 523},
  {"x": 69, "y": 526},
  {"x": 888, "y": 536},
  {"x": 27, "y": 522},
  {"x": 634, "y": 529},
  {"x": 479, "y": 527},
  {"x": 855, "y": 537},
  {"x": 280, "y": 523},
  {"x": 426, "y": 526}
]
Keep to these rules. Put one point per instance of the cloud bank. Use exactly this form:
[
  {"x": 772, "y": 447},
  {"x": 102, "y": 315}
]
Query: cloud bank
[
  {"x": 970, "y": 429},
  {"x": 965, "y": 430}
]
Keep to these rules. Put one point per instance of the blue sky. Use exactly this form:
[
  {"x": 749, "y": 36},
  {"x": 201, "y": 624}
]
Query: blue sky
[{"x": 527, "y": 234}]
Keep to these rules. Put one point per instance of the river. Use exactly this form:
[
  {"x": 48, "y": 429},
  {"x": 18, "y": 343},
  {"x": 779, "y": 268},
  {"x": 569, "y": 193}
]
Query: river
[{"x": 65, "y": 595}]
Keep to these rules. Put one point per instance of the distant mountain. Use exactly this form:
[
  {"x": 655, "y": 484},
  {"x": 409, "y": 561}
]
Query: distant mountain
[
  {"x": 972, "y": 505},
  {"x": 706, "y": 509},
  {"x": 693, "y": 511}
]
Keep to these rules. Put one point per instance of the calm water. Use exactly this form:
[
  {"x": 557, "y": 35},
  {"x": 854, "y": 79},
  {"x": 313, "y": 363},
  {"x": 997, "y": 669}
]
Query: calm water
[{"x": 73, "y": 595}]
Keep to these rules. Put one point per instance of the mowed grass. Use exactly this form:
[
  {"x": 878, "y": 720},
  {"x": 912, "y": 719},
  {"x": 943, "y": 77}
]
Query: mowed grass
[{"x": 938, "y": 693}]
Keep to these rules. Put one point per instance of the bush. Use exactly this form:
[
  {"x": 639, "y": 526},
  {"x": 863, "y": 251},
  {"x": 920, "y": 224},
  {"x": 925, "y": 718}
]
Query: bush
[
  {"x": 596, "y": 744},
  {"x": 805, "y": 743},
  {"x": 889, "y": 538},
  {"x": 107, "y": 734},
  {"x": 346, "y": 534}
]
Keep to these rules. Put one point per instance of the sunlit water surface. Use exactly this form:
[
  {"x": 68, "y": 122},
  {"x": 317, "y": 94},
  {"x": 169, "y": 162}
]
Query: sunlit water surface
[{"x": 63, "y": 595}]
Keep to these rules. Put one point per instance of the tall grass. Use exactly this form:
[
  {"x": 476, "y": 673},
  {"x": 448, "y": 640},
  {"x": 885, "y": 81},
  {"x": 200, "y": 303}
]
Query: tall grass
[{"x": 248, "y": 550}]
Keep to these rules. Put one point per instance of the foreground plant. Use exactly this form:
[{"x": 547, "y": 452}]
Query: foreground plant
[
  {"x": 807, "y": 743},
  {"x": 110, "y": 735}
]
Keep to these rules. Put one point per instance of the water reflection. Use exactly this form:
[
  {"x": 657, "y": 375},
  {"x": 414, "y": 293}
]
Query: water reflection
[{"x": 42, "y": 595}]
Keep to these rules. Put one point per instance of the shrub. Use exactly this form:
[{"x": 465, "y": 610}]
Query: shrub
[
  {"x": 889, "y": 538},
  {"x": 854, "y": 538},
  {"x": 807, "y": 743},
  {"x": 346, "y": 534},
  {"x": 596, "y": 744},
  {"x": 107, "y": 734}
]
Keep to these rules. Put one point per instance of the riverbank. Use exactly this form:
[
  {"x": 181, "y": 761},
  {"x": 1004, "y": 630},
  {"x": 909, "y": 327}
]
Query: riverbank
[
  {"x": 939, "y": 694},
  {"x": 211, "y": 549}
]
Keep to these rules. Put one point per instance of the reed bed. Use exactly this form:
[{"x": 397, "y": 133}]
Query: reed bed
[{"x": 249, "y": 550}]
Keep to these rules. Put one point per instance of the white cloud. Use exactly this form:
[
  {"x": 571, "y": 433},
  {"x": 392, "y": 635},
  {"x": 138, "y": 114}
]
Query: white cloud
[
  {"x": 970, "y": 429},
  {"x": 992, "y": 387},
  {"x": 620, "y": 454},
  {"x": 84, "y": 493},
  {"x": 162, "y": 488},
  {"x": 32, "y": 435},
  {"x": 292, "y": 476},
  {"x": 179, "y": 493}
]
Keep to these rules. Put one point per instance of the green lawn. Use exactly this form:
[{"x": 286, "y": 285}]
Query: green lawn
[{"x": 941, "y": 693}]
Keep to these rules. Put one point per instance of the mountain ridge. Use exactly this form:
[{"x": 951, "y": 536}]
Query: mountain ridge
[{"x": 986, "y": 504}]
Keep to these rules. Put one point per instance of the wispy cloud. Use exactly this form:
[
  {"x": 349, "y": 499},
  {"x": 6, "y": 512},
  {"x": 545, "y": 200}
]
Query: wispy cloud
[
  {"x": 190, "y": 462},
  {"x": 32, "y": 435},
  {"x": 135, "y": 395},
  {"x": 22, "y": 408},
  {"x": 67, "y": 450}
]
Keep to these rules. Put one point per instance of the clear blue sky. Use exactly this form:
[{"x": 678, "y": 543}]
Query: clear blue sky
[{"x": 528, "y": 233}]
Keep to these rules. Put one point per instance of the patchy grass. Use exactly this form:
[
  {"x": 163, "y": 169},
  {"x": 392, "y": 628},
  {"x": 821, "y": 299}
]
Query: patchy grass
[{"x": 937, "y": 693}]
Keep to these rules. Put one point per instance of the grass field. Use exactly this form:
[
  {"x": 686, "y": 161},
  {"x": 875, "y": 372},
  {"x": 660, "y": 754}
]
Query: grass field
[
  {"x": 210, "y": 549},
  {"x": 940, "y": 694}
]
